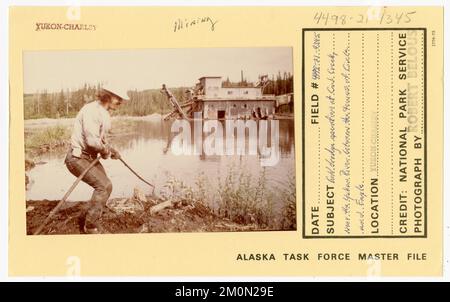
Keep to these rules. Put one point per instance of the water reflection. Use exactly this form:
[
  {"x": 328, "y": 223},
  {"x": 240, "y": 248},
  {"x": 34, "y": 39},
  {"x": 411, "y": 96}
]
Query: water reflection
[{"x": 142, "y": 145}]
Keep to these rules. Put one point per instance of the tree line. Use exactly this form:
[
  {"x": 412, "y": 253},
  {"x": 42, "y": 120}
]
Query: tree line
[
  {"x": 280, "y": 84},
  {"x": 67, "y": 103}
]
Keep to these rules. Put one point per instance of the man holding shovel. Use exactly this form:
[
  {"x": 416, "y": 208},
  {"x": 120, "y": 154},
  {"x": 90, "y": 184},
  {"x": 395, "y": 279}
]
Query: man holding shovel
[{"x": 88, "y": 140}]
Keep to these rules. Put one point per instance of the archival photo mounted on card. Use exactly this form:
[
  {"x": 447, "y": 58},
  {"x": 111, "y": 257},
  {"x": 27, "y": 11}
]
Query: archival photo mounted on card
[
  {"x": 208, "y": 146},
  {"x": 282, "y": 141}
]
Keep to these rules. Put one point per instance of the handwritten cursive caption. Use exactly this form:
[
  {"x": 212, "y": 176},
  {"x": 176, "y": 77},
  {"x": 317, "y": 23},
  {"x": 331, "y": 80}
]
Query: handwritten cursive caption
[{"x": 184, "y": 24}]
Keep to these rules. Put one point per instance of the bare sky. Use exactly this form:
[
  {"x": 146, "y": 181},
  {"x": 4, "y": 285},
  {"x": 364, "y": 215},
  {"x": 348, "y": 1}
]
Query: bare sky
[{"x": 148, "y": 68}]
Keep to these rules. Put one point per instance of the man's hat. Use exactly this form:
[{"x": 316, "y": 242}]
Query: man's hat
[{"x": 117, "y": 91}]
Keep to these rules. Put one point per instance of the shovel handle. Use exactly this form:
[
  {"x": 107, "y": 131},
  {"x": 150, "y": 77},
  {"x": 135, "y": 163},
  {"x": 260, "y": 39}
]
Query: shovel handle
[{"x": 135, "y": 173}]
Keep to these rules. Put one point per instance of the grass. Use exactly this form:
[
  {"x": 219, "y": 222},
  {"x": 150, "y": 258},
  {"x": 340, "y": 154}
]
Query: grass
[
  {"x": 240, "y": 197},
  {"x": 289, "y": 209},
  {"x": 246, "y": 199},
  {"x": 177, "y": 190},
  {"x": 40, "y": 140},
  {"x": 48, "y": 138}
]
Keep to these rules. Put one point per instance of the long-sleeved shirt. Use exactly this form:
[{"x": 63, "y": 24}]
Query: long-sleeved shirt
[{"x": 91, "y": 126}]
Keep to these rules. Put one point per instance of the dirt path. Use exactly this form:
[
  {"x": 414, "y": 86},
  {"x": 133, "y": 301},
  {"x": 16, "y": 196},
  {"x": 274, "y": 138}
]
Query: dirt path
[{"x": 179, "y": 218}]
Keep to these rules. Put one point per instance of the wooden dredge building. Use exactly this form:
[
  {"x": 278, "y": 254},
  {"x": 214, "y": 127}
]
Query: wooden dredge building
[{"x": 218, "y": 101}]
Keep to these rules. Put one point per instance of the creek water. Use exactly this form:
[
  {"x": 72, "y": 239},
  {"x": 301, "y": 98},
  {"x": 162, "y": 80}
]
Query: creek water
[{"x": 142, "y": 145}]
